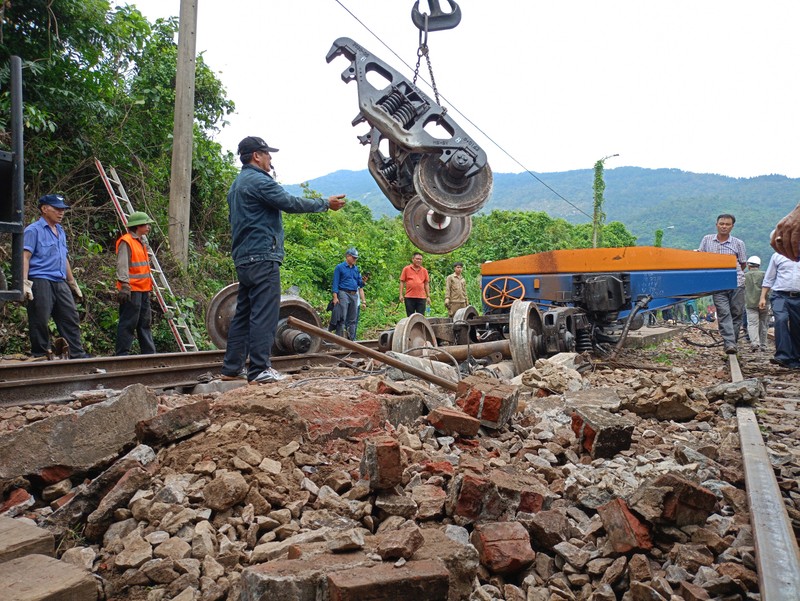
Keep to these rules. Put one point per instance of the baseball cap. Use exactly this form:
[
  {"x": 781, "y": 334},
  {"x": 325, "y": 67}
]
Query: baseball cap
[
  {"x": 352, "y": 252},
  {"x": 252, "y": 144},
  {"x": 754, "y": 260},
  {"x": 54, "y": 200}
]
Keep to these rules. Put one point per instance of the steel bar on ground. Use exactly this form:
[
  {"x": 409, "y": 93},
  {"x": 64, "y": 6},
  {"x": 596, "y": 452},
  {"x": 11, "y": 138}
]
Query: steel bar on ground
[
  {"x": 461, "y": 352},
  {"x": 349, "y": 344}
]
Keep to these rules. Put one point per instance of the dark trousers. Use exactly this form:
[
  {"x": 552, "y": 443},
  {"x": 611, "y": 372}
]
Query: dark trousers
[
  {"x": 349, "y": 303},
  {"x": 135, "y": 318},
  {"x": 256, "y": 319},
  {"x": 730, "y": 307},
  {"x": 415, "y": 305},
  {"x": 787, "y": 327},
  {"x": 53, "y": 299}
]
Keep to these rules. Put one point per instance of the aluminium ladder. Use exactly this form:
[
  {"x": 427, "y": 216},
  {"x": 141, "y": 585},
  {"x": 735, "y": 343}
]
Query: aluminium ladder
[{"x": 161, "y": 288}]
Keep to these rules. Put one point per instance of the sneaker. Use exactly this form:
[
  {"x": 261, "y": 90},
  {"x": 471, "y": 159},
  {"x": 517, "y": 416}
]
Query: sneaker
[
  {"x": 267, "y": 376},
  {"x": 755, "y": 348},
  {"x": 731, "y": 349},
  {"x": 785, "y": 364},
  {"x": 763, "y": 349},
  {"x": 242, "y": 375}
]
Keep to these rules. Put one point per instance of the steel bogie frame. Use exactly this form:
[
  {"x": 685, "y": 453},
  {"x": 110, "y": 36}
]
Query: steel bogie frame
[{"x": 438, "y": 182}]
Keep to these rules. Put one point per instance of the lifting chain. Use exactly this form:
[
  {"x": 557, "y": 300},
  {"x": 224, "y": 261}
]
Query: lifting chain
[{"x": 424, "y": 50}]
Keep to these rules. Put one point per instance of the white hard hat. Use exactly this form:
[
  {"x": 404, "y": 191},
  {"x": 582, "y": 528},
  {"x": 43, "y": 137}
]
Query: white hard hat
[{"x": 754, "y": 260}]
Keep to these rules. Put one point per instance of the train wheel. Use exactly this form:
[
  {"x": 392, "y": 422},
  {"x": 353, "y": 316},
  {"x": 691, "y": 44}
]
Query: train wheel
[
  {"x": 501, "y": 292},
  {"x": 524, "y": 327},
  {"x": 412, "y": 332}
]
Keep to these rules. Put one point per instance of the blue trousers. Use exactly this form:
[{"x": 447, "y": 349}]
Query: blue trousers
[
  {"x": 253, "y": 326},
  {"x": 349, "y": 303},
  {"x": 53, "y": 299},
  {"x": 135, "y": 318},
  {"x": 787, "y": 327}
]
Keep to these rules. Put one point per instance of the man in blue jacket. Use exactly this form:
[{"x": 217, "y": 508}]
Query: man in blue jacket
[
  {"x": 347, "y": 288},
  {"x": 255, "y": 202}
]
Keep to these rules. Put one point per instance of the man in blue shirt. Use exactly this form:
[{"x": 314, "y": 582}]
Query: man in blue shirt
[
  {"x": 348, "y": 286},
  {"x": 48, "y": 280},
  {"x": 256, "y": 202}
]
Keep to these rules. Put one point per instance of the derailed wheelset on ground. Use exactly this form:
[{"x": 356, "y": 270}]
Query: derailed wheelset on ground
[
  {"x": 438, "y": 182},
  {"x": 288, "y": 341}
]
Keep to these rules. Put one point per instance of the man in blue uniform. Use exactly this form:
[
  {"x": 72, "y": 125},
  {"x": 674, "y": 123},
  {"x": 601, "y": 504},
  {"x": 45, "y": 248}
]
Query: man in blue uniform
[
  {"x": 348, "y": 286},
  {"x": 48, "y": 281}
]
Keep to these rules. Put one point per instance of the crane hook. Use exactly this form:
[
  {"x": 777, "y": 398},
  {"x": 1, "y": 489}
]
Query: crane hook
[{"x": 438, "y": 20}]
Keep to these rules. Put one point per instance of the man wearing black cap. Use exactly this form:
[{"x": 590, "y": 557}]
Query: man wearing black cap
[
  {"x": 48, "y": 281},
  {"x": 255, "y": 201}
]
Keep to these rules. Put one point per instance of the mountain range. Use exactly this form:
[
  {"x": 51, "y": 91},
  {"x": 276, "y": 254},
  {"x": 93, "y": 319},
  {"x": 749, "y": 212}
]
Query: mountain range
[{"x": 682, "y": 204}]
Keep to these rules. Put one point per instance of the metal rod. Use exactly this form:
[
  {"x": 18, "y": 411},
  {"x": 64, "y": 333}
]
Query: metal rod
[
  {"x": 359, "y": 348},
  {"x": 461, "y": 352}
]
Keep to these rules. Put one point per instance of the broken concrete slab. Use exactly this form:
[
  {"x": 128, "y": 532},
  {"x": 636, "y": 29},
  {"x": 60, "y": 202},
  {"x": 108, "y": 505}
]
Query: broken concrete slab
[
  {"x": 18, "y": 539},
  {"x": 175, "y": 424},
  {"x": 296, "y": 579},
  {"x": 670, "y": 499},
  {"x": 412, "y": 581},
  {"x": 625, "y": 531},
  {"x": 87, "y": 497},
  {"x": 42, "y": 578},
  {"x": 77, "y": 442},
  {"x": 601, "y": 433}
]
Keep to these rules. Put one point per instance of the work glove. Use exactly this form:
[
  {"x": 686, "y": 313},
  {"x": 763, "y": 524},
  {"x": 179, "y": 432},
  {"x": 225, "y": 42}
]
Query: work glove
[
  {"x": 124, "y": 293},
  {"x": 27, "y": 288},
  {"x": 73, "y": 285}
]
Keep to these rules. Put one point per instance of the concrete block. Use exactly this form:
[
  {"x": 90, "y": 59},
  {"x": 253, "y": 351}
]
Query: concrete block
[
  {"x": 625, "y": 531},
  {"x": 18, "y": 539},
  {"x": 76, "y": 442},
  {"x": 600, "y": 433},
  {"x": 451, "y": 421},
  {"x": 382, "y": 463},
  {"x": 296, "y": 579},
  {"x": 490, "y": 401},
  {"x": 504, "y": 547},
  {"x": 42, "y": 578},
  {"x": 175, "y": 424},
  {"x": 415, "y": 580}
]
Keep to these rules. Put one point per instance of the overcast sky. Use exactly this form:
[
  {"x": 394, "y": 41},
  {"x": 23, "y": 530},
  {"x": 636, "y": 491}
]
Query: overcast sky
[{"x": 709, "y": 86}]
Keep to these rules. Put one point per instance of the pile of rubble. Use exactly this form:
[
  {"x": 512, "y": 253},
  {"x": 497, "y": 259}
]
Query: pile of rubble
[{"x": 555, "y": 486}]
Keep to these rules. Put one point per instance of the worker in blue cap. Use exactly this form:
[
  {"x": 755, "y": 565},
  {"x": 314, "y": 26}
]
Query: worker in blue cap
[{"x": 348, "y": 287}]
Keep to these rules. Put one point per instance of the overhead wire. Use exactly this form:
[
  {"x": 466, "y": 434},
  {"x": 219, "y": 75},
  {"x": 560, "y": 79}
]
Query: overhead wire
[{"x": 455, "y": 108}]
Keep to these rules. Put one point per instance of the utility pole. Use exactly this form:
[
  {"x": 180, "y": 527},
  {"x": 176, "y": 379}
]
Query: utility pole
[
  {"x": 180, "y": 184},
  {"x": 599, "y": 186}
]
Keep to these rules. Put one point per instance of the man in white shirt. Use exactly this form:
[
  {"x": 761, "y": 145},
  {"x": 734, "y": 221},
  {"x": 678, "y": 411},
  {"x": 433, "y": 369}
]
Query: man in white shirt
[{"x": 783, "y": 279}]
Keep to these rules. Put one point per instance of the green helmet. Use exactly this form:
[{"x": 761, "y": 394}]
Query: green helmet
[{"x": 138, "y": 218}]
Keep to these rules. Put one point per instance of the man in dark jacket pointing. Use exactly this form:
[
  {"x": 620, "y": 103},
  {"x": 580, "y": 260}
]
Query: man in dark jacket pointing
[{"x": 255, "y": 202}]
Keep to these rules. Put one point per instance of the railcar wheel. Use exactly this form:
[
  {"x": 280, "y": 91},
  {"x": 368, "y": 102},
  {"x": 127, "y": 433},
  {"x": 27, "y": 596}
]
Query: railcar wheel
[
  {"x": 412, "y": 332},
  {"x": 525, "y": 328},
  {"x": 433, "y": 232},
  {"x": 451, "y": 194},
  {"x": 463, "y": 333},
  {"x": 222, "y": 308},
  {"x": 501, "y": 292}
]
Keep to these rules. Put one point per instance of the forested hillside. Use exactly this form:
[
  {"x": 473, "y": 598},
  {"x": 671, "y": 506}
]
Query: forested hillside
[{"x": 681, "y": 203}]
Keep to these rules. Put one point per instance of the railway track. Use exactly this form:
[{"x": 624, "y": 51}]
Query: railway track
[
  {"x": 43, "y": 382},
  {"x": 777, "y": 555}
]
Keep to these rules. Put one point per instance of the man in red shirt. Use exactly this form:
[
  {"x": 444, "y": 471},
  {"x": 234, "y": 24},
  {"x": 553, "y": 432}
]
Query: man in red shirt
[{"x": 415, "y": 289}]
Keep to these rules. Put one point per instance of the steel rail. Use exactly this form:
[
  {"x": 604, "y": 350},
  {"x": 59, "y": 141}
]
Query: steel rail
[
  {"x": 43, "y": 382},
  {"x": 777, "y": 553}
]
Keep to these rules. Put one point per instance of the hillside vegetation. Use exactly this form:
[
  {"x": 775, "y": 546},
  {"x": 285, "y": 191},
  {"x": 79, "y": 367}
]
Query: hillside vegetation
[{"x": 683, "y": 204}]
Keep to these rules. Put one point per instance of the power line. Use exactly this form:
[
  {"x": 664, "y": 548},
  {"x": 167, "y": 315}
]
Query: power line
[{"x": 455, "y": 108}]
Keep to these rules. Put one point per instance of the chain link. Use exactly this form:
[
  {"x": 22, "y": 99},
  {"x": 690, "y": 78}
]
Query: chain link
[{"x": 423, "y": 50}]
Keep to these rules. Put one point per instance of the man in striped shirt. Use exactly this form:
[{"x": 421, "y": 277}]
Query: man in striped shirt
[{"x": 729, "y": 303}]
